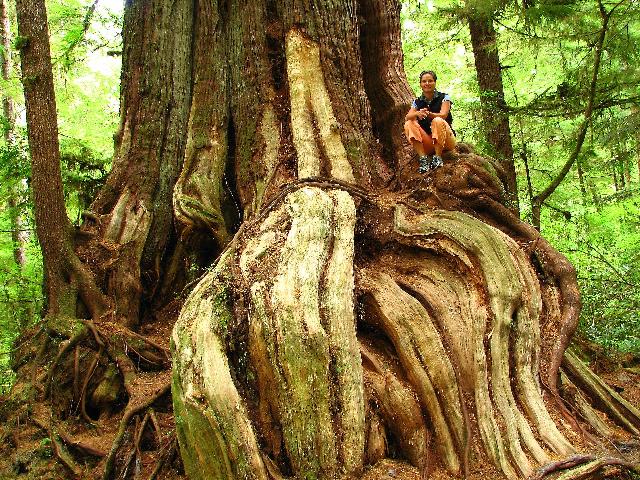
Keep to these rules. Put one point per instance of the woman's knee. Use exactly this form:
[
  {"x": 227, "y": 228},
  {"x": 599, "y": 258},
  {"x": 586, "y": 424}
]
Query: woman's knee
[
  {"x": 412, "y": 130},
  {"x": 438, "y": 121},
  {"x": 408, "y": 124}
]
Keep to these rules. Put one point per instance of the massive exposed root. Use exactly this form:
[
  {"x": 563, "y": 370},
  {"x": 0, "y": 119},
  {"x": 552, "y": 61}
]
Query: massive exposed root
[
  {"x": 444, "y": 360},
  {"x": 302, "y": 355}
]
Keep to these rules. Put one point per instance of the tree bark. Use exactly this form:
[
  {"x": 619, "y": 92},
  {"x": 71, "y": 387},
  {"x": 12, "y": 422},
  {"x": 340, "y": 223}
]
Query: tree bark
[
  {"x": 134, "y": 209},
  {"x": 496, "y": 118},
  {"x": 19, "y": 233},
  {"x": 353, "y": 322}
]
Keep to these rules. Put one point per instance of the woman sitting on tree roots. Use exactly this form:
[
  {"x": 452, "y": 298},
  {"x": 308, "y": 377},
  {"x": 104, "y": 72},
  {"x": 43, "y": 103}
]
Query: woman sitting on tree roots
[{"x": 428, "y": 123}]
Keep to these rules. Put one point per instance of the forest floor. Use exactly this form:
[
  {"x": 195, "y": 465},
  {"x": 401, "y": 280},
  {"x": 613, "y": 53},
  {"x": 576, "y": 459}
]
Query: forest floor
[{"x": 27, "y": 452}]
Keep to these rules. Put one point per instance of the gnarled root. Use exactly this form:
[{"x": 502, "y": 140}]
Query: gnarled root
[
  {"x": 268, "y": 381},
  {"x": 302, "y": 346}
]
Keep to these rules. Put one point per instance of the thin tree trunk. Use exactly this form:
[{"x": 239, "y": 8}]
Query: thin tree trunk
[
  {"x": 19, "y": 233},
  {"x": 52, "y": 224},
  {"x": 384, "y": 76},
  {"x": 63, "y": 271},
  {"x": 583, "y": 188},
  {"x": 495, "y": 115},
  {"x": 635, "y": 110}
]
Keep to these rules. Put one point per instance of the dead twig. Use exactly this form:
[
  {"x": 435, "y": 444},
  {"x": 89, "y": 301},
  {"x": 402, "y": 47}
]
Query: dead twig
[
  {"x": 64, "y": 348},
  {"x": 157, "y": 361},
  {"x": 156, "y": 425}
]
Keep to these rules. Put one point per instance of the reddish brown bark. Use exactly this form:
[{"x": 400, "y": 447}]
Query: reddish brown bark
[
  {"x": 134, "y": 208},
  {"x": 495, "y": 115},
  {"x": 52, "y": 224},
  {"x": 385, "y": 80}
]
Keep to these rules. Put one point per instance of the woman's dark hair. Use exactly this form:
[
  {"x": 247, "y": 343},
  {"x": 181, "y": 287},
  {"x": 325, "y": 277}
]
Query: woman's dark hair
[{"x": 430, "y": 72}]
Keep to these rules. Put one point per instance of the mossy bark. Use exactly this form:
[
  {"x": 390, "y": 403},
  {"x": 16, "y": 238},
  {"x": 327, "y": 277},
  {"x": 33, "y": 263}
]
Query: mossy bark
[{"x": 365, "y": 325}]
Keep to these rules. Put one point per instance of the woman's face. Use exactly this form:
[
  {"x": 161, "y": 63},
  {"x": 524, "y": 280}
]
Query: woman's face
[{"x": 427, "y": 84}]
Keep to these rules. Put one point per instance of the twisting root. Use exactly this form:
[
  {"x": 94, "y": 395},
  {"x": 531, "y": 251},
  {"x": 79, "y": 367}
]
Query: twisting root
[
  {"x": 167, "y": 451},
  {"x": 64, "y": 348},
  {"x": 130, "y": 411},
  {"x": 56, "y": 444},
  {"x": 76, "y": 374},
  {"x": 588, "y": 464},
  {"x": 85, "y": 384},
  {"x": 96, "y": 334},
  {"x": 156, "y": 425},
  {"x": 399, "y": 409},
  {"x": 61, "y": 453},
  {"x": 562, "y": 271}
]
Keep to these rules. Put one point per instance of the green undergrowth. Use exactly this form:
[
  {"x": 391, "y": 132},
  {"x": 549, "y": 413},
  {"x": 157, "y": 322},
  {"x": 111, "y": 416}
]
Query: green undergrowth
[{"x": 603, "y": 243}]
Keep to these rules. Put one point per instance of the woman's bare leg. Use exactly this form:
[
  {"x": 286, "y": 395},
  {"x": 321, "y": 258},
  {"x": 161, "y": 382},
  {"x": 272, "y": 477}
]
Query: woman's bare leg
[{"x": 418, "y": 147}]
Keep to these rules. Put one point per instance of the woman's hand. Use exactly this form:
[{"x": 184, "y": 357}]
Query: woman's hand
[
  {"x": 417, "y": 114},
  {"x": 422, "y": 114}
]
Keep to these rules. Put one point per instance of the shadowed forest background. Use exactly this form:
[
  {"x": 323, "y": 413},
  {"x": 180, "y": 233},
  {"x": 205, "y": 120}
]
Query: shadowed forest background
[{"x": 546, "y": 53}]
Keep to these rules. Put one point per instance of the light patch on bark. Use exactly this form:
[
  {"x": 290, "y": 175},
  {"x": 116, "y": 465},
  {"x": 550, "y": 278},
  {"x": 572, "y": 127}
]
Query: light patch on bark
[
  {"x": 310, "y": 102},
  {"x": 270, "y": 133},
  {"x": 337, "y": 300},
  {"x": 198, "y": 190},
  {"x": 216, "y": 437},
  {"x": 303, "y": 337},
  {"x": 130, "y": 220},
  {"x": 125, "y": 143}
]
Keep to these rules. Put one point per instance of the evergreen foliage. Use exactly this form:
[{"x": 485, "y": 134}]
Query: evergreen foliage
[{"x": 546, "y": 53}]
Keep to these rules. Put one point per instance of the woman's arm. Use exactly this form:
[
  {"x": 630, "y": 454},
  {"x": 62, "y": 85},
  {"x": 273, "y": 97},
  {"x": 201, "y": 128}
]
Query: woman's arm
[
  {"x": 414, "y": 114},
  {"x": 444, "y": 110}
]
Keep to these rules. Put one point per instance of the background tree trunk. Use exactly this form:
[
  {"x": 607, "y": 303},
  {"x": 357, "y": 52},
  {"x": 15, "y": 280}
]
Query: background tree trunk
[
  {"x": 64, "y": 274},
  {"x": 495, "y": 116},
  {"x": 19, "y": 233}
]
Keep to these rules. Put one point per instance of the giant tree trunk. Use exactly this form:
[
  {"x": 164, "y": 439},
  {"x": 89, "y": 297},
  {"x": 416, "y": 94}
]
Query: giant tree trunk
[
  {"x": 346, "y": 326},
  {"x": 358, "y": 318}
]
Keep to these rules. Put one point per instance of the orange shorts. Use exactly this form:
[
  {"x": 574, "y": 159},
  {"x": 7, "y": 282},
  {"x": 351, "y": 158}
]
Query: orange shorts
[{"x": 441, "y": 134}]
